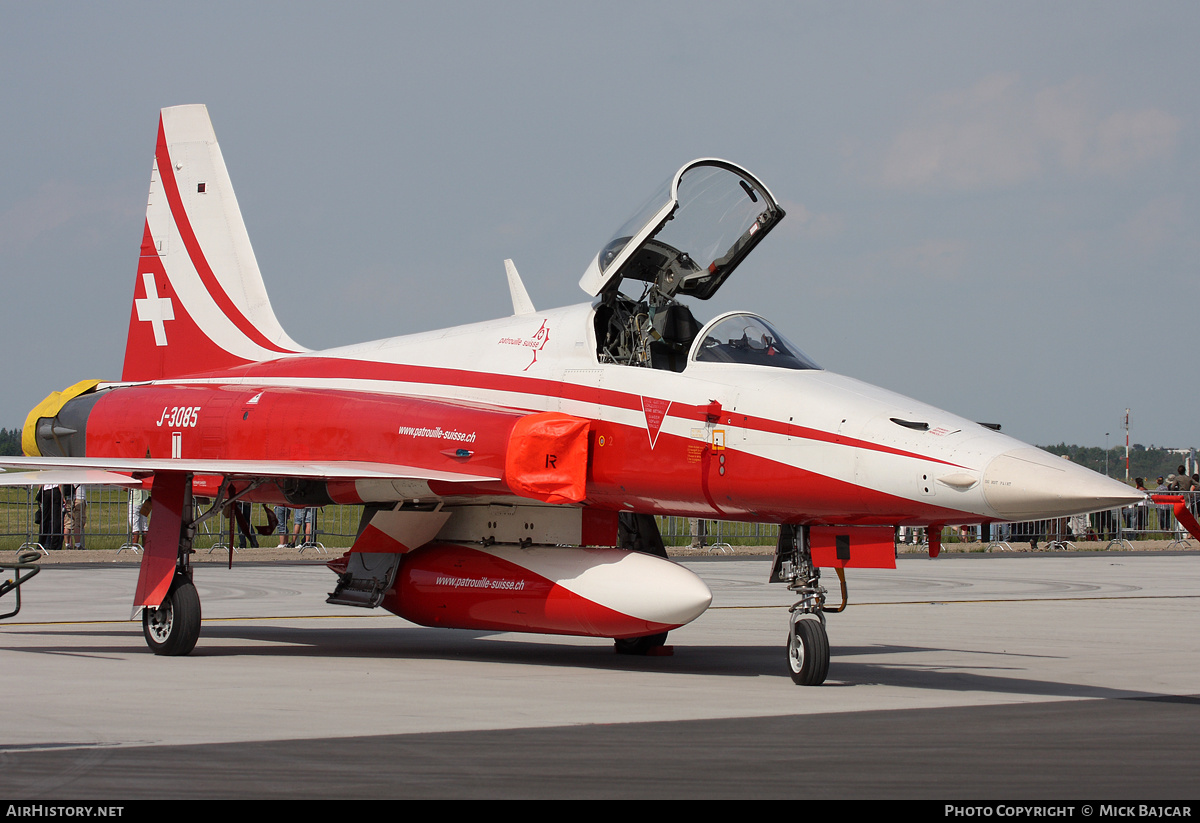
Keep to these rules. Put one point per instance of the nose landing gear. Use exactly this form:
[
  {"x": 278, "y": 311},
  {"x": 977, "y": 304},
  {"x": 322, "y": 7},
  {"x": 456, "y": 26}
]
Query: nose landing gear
[{"x": 807, "y": 641}]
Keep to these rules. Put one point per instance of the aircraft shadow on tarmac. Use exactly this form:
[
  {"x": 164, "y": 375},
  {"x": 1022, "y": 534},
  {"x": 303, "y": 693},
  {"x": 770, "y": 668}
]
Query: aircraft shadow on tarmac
[{"x": 850, "y": 665}]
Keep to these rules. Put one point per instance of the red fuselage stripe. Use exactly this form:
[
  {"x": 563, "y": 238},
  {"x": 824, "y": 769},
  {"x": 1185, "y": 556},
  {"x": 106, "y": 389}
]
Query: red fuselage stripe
[{"x": 321, "y": 368}]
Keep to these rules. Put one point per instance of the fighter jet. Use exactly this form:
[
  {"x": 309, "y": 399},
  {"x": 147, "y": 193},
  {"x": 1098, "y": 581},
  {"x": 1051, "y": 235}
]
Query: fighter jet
[{"x": 510, "y": 471}]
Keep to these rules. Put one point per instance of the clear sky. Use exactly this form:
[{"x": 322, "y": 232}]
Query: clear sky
[{"x": 992, "y": 207}]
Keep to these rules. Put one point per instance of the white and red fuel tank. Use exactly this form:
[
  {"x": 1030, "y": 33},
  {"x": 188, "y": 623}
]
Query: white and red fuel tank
[{"x": 586, "y": 592}]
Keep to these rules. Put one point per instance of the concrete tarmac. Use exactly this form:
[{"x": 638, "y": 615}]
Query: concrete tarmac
[{"x": 1002, "y": 677}]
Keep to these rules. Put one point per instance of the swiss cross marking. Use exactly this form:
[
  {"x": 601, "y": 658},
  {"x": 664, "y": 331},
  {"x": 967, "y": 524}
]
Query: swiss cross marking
[{"x": 154, "y": 309}]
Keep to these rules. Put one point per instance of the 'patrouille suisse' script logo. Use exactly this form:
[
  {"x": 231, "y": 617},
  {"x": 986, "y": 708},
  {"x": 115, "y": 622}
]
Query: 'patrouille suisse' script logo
[{"x": 539, "y": 340}]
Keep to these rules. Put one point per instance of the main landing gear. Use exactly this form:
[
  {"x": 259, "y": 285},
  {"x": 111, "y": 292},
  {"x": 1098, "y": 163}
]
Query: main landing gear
[
  {"x": 807, "y": 641},
  {"x": 639, "y": 533},
  {"x": 640, "y": 645},
  {"x": 174, "y": 627},
  {"x": 165, "y": 593}
]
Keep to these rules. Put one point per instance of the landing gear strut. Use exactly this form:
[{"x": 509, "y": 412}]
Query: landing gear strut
[{"x": 807, "y": 641}]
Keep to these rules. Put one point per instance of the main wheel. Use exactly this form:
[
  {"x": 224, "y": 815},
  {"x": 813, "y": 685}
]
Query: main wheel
[
  {"x": 808, "y": 652},
  {"x": 174, "y": 627},
  {"x": 640, "y": 645}
]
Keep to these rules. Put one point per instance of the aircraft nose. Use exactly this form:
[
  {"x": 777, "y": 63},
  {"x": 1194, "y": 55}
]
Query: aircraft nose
[{"x": 1030, "y": 484}]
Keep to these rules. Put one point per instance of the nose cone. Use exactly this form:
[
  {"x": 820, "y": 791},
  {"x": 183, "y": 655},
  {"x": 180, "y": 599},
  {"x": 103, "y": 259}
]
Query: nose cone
[{"x": 1030, "y": 484}]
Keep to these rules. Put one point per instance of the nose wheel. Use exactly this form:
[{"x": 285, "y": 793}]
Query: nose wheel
[{"x": 808, "y": 650}]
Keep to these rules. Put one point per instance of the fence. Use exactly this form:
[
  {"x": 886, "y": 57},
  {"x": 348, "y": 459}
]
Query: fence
[
  {"x": 33, "y": 517},
  {"x": 717, "y": 534},
  {"x": 1114, "y": 527},
  {"x": 1156, "y": 521},
  {"x": 107, "y": 526}
]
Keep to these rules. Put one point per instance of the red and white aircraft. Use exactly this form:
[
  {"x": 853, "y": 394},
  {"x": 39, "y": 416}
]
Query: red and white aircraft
[{"x": 511, "y": 469}]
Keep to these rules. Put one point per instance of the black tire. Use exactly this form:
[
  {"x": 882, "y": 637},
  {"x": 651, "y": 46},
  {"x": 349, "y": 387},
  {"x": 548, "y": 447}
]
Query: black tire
[
  {"x": 640, "y": 645},
  {"x": 808, "y": 652},
  {"x": 174, "y": 627}
]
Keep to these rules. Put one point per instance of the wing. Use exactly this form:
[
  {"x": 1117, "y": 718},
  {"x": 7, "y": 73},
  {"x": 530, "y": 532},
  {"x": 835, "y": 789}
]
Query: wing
[
  {"x": 119, "y": 470},
  {"x": 67, "y": 476}
]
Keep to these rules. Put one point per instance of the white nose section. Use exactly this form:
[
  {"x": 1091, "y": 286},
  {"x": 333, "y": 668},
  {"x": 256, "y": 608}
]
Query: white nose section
[{"x": 1030, "y": 484}]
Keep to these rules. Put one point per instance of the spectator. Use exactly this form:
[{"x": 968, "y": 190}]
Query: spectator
[
  {"x": 1163, "y": 510},
  {"x": 74, "y": 516},
  {"x": 139, "y": 516},
  {"x": 282, "y": 513},
  {"x": 1139, "y": 510},
  {"x": 49, "y": 517},
  {"x": 245, "y": 531},
  {"x": 306, "y": 521}
]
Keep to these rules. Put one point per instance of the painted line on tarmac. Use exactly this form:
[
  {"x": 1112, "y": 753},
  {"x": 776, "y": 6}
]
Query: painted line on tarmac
[
  {"x": 988, "y": 600},
  {"x": 206, "y": 620}
]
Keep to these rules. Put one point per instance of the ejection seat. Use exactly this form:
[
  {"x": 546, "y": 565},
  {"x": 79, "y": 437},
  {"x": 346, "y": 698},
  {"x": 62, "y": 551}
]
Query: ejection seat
[{"x": 679, "y": 328}]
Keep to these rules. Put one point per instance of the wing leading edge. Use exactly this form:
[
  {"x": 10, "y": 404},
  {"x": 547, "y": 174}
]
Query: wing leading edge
[{"x": 110, "y": 470}]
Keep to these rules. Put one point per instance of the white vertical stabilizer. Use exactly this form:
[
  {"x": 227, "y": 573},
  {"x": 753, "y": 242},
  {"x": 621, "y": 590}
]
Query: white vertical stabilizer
[{"x": 199, "y": 299}]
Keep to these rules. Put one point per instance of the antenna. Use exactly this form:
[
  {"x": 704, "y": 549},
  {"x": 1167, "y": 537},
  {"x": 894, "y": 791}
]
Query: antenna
[{"x": 520, "y": 298}]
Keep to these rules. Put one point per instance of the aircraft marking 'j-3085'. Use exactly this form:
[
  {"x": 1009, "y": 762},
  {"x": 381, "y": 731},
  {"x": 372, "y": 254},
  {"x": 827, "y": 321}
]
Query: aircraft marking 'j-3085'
[{"x": 510, "y": 470}]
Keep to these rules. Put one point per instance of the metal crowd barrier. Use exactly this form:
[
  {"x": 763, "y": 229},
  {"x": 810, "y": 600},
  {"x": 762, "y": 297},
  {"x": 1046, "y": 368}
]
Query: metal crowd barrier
[
  {"x": 44, "y": 519},
  {"x": 333, "y": 526},
  {"x": 1113, "y": 527},
  {"x": 33, "y": 518},
  {"x": 1156, "y": 520},
  {"x": 716, "y": 535},
  {"x": 29, "y": 521},
  {"x": 1056, "y": 534}
]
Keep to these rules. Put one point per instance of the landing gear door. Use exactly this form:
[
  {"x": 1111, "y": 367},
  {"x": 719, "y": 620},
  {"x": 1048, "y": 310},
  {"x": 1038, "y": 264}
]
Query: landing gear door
[{"x": 691, "y": 235}]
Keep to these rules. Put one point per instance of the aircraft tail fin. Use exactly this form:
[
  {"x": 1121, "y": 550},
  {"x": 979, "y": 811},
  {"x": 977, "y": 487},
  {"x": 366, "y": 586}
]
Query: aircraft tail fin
[{"x": 199, "y": 303}]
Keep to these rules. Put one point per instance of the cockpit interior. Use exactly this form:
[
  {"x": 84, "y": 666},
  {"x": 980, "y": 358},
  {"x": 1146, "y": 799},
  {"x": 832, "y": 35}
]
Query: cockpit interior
[{"x": 686, "y": 241}]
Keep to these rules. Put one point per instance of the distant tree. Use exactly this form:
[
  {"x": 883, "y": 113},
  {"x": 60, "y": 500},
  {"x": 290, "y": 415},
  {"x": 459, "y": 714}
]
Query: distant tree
[
  {"x": 1148, "y": 463},
  {"x": 10, "y": 442}
]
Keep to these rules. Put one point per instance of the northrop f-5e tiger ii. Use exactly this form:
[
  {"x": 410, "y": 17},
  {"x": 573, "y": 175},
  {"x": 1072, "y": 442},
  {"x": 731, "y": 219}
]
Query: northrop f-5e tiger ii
[{"x": 510, "y": 471}]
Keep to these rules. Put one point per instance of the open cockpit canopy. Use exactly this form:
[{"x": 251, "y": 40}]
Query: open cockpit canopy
[
  {"x": 691, "y": 235},
  {"x": 686, "y": 240}
]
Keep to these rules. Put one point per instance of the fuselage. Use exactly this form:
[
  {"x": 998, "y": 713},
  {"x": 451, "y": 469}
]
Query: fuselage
[{"x": 715, "y": 439}]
